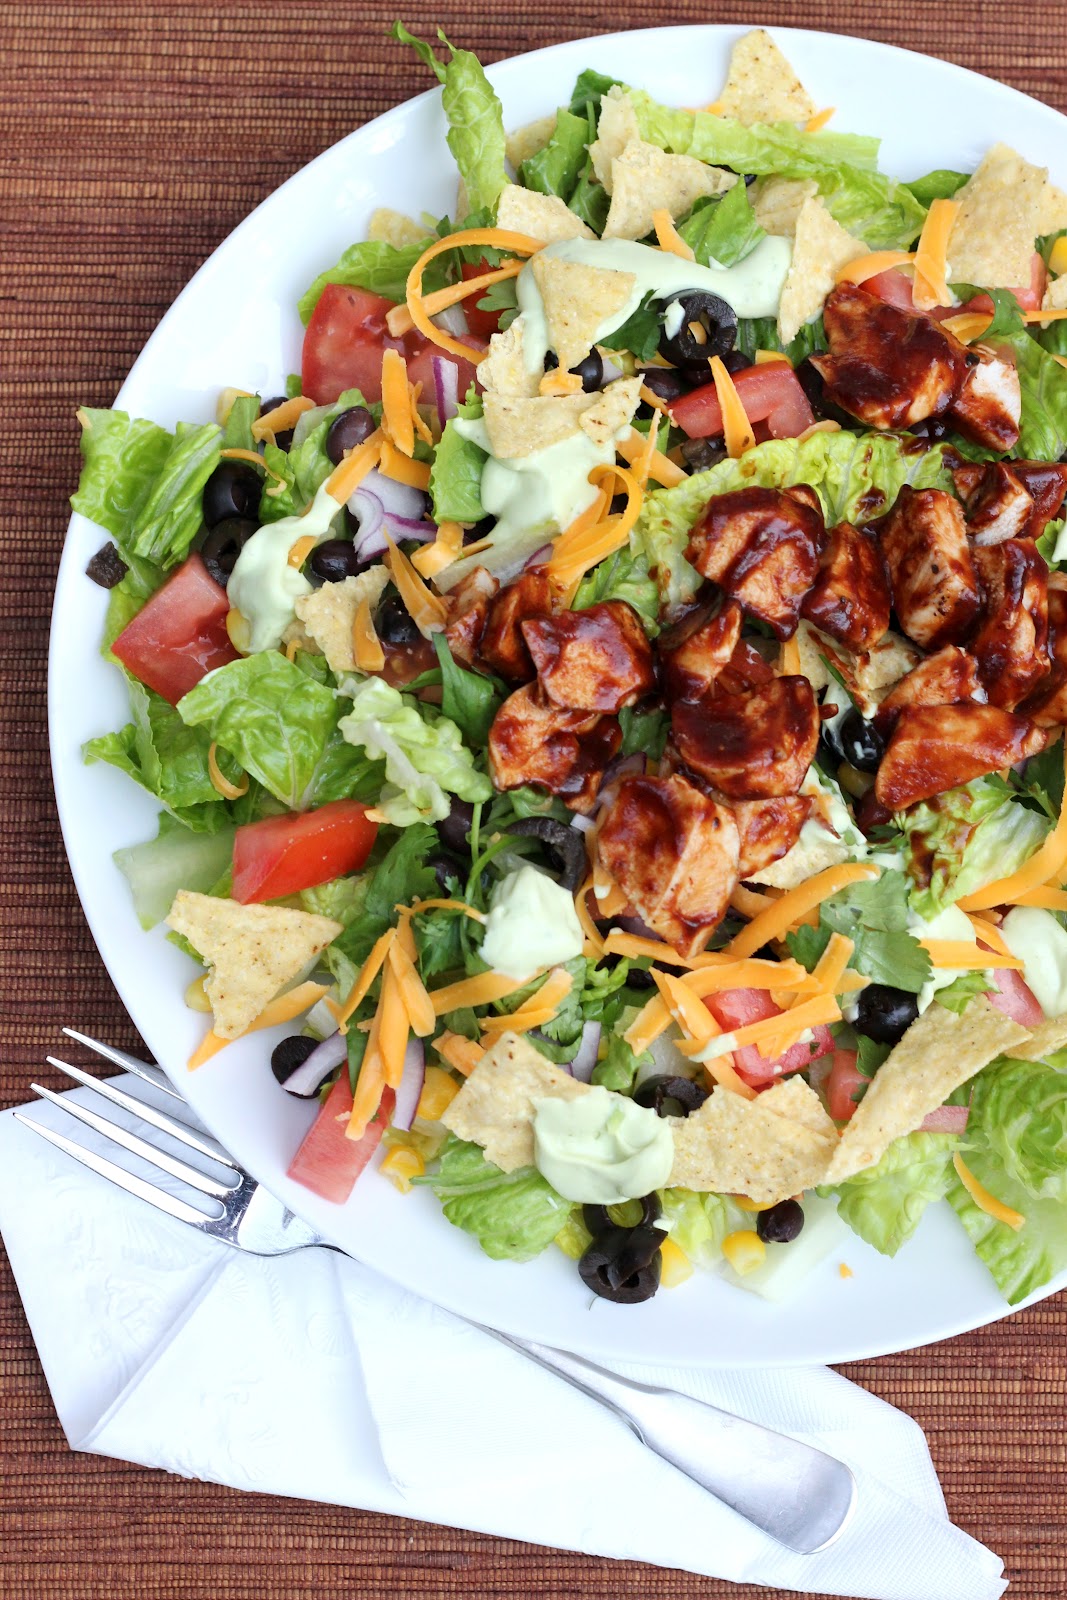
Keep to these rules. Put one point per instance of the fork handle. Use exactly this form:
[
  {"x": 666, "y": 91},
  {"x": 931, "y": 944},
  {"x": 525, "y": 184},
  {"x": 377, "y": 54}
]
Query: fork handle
[{"x": 798, "y": 1495}]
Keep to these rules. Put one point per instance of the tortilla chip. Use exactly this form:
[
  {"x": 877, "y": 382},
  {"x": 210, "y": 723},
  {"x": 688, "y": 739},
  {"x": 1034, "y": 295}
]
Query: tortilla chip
[
  {"x": 821, "y": 249},
  {"x": 645, "y": 179},
  {"x": 777, "y": 202},
  {"x": 803, "y": 861},
  {"x": 252, "y": 951},
  {"x": 1048, "y": 1037},
  {"x": 503, "y": 370},
  {"x": 870, "y": 676},
  {"x": 495, "y": 1107},
  {"x": 611, "y": 410},
  {"x": 393, "y": 227},
  {"x": 1052, "y": 212},
  {"x": 939, "y": 1052},
  {"x": 329, "y": 614},
  {"x": 616, "y": 128},
  {"x": 518, "y": 426},
  {"x": 578, "y": 300},
  {"x": 542, "y": 216},
  {"x": 527, "y": 140},
  {"x": 295, "y": 633},
  {"x": 768, "y": 1148},
  {"x": 992, "y": 238},
  {"x": 1055, "y": 296},
  {"x": 761, "y": 86}
]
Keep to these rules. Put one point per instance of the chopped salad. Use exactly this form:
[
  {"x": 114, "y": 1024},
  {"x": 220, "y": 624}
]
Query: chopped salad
[{"x": 609, "y": 703}]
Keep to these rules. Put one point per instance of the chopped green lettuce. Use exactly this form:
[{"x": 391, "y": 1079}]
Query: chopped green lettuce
[
  {"x": 965, "y": 838},
  {"x": 237, "y": 434},
  {"x": 177, "y": 858},
  {"x": 456, "y": 474},
  {"x": 722, "y": 231},
  {"x": 513, "y": 1215},
  {"x": 698, "y": 1223},
  {"x": 939, "y": 185},
  {"x": 590, "y": 200},
  {"x": 282, "y": 727},
  {"x": 851, "y": 474},
  {"x": 469, "y": 699},
  {"x": 374, "y": 265},
  {"x": 143, "y": 484},
  {"x": 424, "y": 754},
  {"x": 475, "y": 118},
  {"x": 167, "y": 758},
  {"x": 1043, "y": 425},
  {"x": 885, "y": 1203},
  {"x": 557, "y": 166},
  {"x": 392, "y": 879},
  {"x": 622, "y": 576},
  {"x": 589, "y": 90},
  {"x": 1016, "y": 1146}
]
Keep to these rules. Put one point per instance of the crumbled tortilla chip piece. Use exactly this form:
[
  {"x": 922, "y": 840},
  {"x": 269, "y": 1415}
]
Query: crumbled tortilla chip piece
[
  {"x": 821, "y": 249},
  {"x": 645, "y": 179},
  {"x": 329, "y": 614},
  {"x": 761, "y": 86},
  {"x": 517, "y": 425},
  {"x": 296, "y": 633},
  {"x": 495, "y": 1106},
  {"x": 777, "y": 202},
  {"x": 577, "y": 299},
  {"x": 611, "y": 410},
  {"x": 394, "y": 227},
  {"x": 617, "y": 127},
  {"x": 1048, "y": 1037},
  {"x": 525, "y": 142},
  {"x": 819, "y": 850},
  {"x": 872, "y": 674},
  {"x": 939, "y": 1052},
  {"x": 541, "y": 216},
  {"x": 1052, "y": 212},
  {"x": 768, "y": 1148},
  {"x": 252, "y": 952},
  {"x": 503, "y": 370},
  {"x": 1055, "y": 295},
  {"x": 992, "y": 238}
]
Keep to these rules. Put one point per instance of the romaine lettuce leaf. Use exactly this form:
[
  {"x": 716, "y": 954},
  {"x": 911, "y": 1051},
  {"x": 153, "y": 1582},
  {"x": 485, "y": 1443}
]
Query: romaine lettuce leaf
[
  {"x": 237, "y": 434},
  {"x": 1016, "y": 1146},
  {"x": 699, "y": 1223},
  {"x": 469, "y": 699},
  {"x": 590, "y": 200},
  {"x": 849, "y": 472},
  {"x": 475, "y": 118},
  {"x": 885, "y": 1203},
  {"x": 456, "y": 474},
  {"x": 589, "y": 90},
  {"x": 143, "y": 484},
  {"x": 177, "y": 858},
  {"x": 939, "y": 185},
  {"x": 373, "y": 265},
  {"x": 622, "y": 576},
  {"x": 557, "y": 166},
  {"x": 723, "y": 230},
  {"x": 1043, "y": 426},
  {"x": 424, "y": 754},
  {"x": 965, "y": 839},
  {"x": 282, "y": 727},
  {"x": 513, "y": 1215}
]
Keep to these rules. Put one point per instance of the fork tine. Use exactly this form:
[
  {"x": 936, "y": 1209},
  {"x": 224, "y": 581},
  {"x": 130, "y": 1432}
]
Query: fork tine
[
  {"x": 171, "y": 1204},
  {"x": 138, "y": 1147},
  {"x": 120, "y": 1058},
  {"x": 139, "y": 1108}
]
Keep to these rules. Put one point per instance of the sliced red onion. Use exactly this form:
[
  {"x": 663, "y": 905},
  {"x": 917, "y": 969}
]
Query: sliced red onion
[
  {"x": 395, "y": 499},
  {"x": 622, "y": 767},
  {"x": 639, "y": 929},
  {"x": 611, "y": 371},
  {"x": 537, "y": 558},
  {"x": 583, "y": 824},
  {"x": 445, "y": 387},
  {"x": 453, "y": 319},
  {"x": 311, "y": 1074},
  {"x": 410, "y": 1087},
  {"x": 583, "y": 1063},
  {"x": 946, "y": 1119}
]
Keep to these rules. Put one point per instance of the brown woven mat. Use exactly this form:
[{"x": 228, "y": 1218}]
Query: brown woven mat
[{"x": 133, "y": 137}]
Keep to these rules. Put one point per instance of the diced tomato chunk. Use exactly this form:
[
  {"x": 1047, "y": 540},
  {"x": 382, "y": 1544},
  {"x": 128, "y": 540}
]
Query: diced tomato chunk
[
  {"x": 346, "y": 339},
  {"x": 736, "y": 1008},
  {"x": 1015, "y": 998},
  {"x": 481, "y": 323},
  {"x": 179, "y": 635},
  {"x": 282, "y": 855},
  {"x": 328, "y": 1162},
  {"x": 895, "y": 288},
  {"x": 770, "y": 393},
  {"x": 844, "y": 1085}
]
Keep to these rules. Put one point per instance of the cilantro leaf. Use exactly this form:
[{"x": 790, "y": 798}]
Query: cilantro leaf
[{"x": 874, "y": 915}]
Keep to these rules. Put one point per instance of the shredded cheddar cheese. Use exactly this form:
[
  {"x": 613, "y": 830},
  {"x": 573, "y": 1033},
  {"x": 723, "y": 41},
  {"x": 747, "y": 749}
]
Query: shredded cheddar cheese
[
  {"x": 219, "y": 782},
  {"x": 863, "y": 267},
  {"x": 282, "y": 1009},
  {"x": 461, "y": 1053},
  {"x": 430, "y": 559},
  {"x": 779, "y": 917},
  {"x": 482, "y": 990},
  {"x": 931, "y": 253},
  {"x": 396, "y": 402},
  {"x": 667, "y": 236},
  {"x": 983, "y": 1199},
  {"x": 539, "y": 1009},
  {"x": 368, "y": 972},
  {"x": 819, "y": 120},
  {"x": 400, "y": 468},
  {"x": 497, "y": 239},
  {"x": 428, "y": 611},
  {"x": 737, "y": 430},
  {"x": 345, "y": 479},
  {"x": 949, "y": 953},
  {"x": 557, "y": 382},
  {"x": 366, "y": 645},
  {"x": 282, "y": 418},
  {"x": 300, "y": 550}
]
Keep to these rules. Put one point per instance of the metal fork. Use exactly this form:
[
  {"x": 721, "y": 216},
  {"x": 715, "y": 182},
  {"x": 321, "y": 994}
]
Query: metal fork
[{"x": 798, "y": 1495}]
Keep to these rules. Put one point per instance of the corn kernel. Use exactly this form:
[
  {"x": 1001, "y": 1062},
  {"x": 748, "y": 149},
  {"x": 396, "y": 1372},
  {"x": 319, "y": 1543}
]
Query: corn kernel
[
  {"x": 743, "y": 1203},
  {"x": 225, "y": 402},
  {"x": 195, "y": 996},
  {"x": 401, "y": 1165},
  {"x": 239, "y": 630},
  {"x": 439, "y": 1089},
  {"x": 675, "y": 1265},
  {"x": 744, "y": 1250}
]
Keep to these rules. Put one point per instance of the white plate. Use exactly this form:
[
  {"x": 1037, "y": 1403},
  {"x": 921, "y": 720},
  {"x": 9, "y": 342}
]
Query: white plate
[{"x": 236, "y": 323}]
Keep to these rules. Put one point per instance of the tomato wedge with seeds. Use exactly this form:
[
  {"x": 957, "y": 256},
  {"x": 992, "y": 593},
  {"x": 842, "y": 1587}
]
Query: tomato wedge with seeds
[
  {"x": 328, "y": 1162},
  {"x": 282, "y": 855},
  {"x": 179, "y": 635},
  {"x": 346, "y": 339},
  {"x": 844, "y": 1085},
  {"x": 770, "y": 393}
]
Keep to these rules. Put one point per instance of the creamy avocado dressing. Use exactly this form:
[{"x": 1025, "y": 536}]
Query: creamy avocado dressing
[
  {"x": 532, "y": 924},
  {"x": 948, "y": 924},
  {"x": 534, "y": 496},
  {"x": 263, "y": 587},
  {"x": 1040, "y": 943},
  {"x": 601, "y": 1148},
  {"x": 753, "y": 287}
]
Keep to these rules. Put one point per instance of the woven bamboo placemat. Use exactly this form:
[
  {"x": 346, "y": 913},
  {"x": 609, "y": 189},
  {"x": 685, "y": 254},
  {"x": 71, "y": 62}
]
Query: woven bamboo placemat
[{"x": 133, "y": 137}]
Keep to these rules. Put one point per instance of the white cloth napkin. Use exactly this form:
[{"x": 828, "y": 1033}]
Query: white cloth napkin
[{"x": 308, "y": 1375}]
